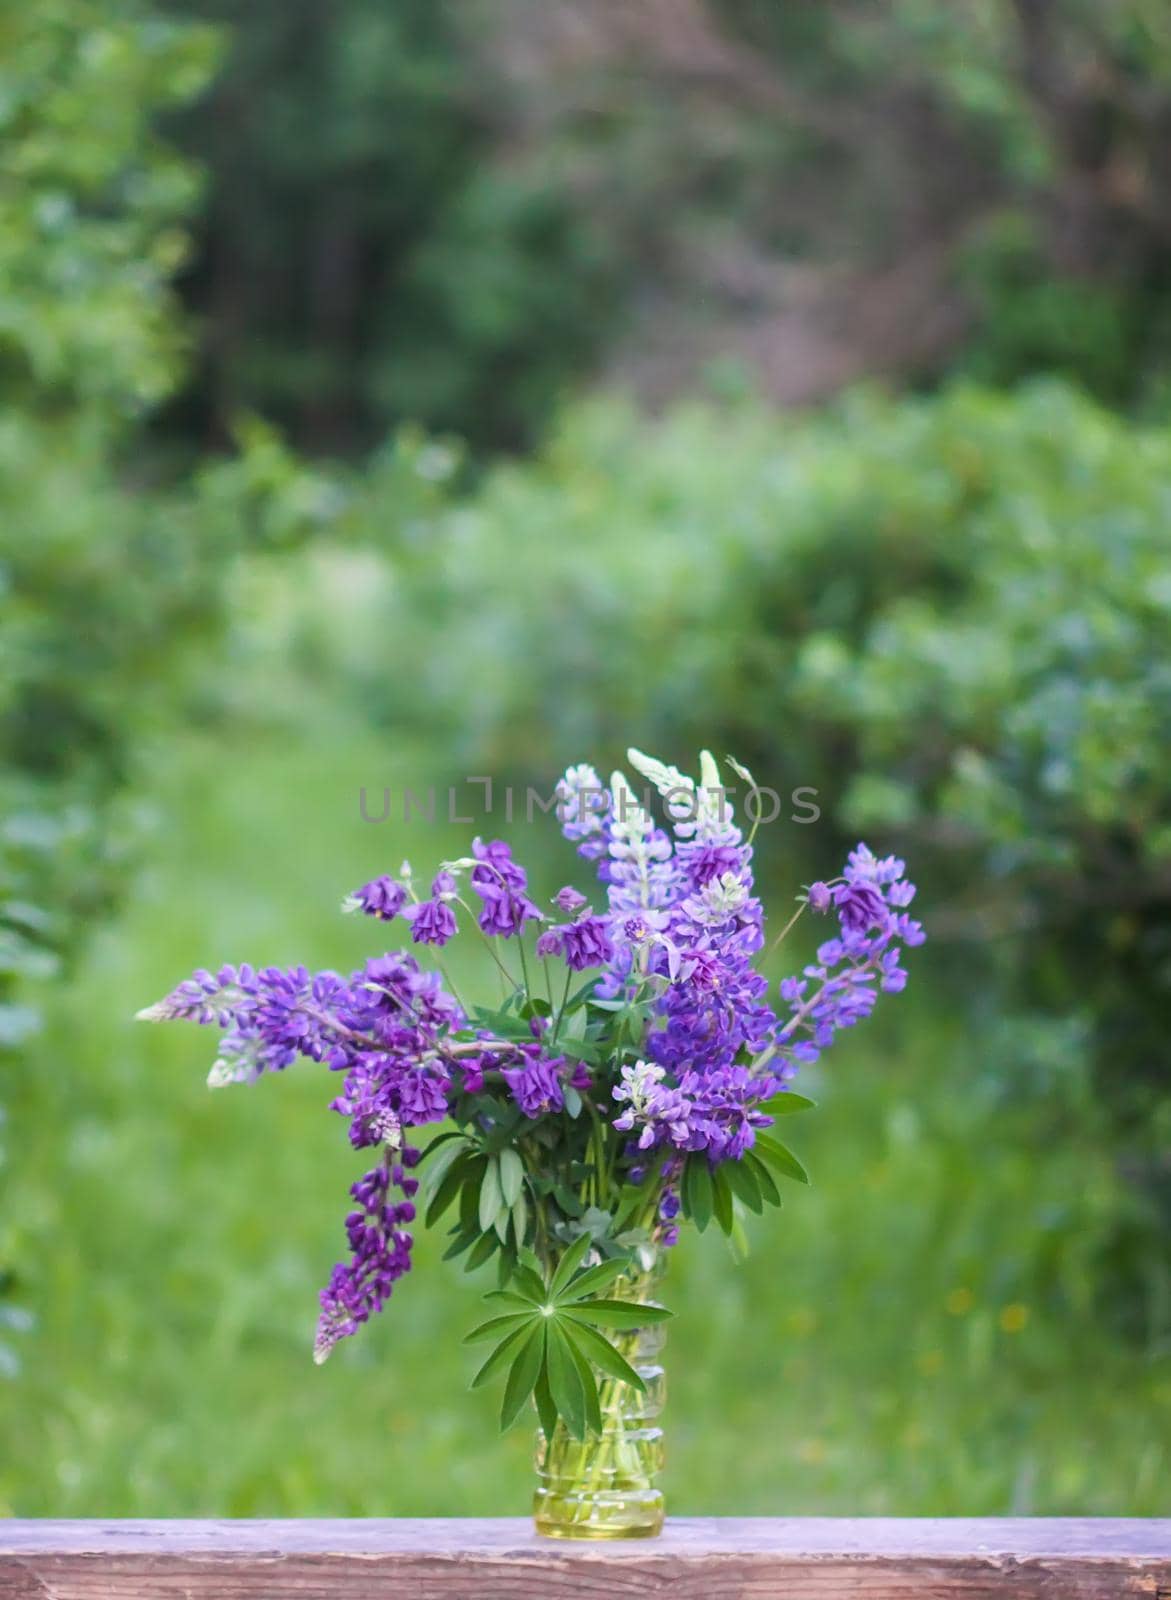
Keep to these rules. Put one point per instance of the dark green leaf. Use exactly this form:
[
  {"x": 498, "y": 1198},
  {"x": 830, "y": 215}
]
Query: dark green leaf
[
  {"x": 739, "y": 1177},
  {"x": 464, "y": 1167},
  {"x": 780, "y": 1158},
  {"x": 722, "y": 1197},
  {"x": 462, "y": 1241},
  {"x": 697, "y": 1189},
  {"x": 522, "y": 1375},
  {"x": 481, "y": 1251},
  {"x": 769, "y": 1192},
  {"x": 508, "y": 1297}
]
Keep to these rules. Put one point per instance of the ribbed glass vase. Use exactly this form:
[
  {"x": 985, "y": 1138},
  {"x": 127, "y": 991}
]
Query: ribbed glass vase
[{"x": 605, "y": 1486}]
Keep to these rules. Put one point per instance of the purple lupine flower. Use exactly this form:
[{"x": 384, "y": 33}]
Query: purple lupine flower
[
  {"x": 536, "y": 1086},
  {"x": 580, "y": 944},
  {"x": 860, "y": 906},
  {"x": 582, "y": 806},
  {"x": 501, "y": 884},
  {"x": 383, "y": 898},
  {"x": 432, "y": 922},
  {"x": 820, "y": 897},
  {"x": 380, "y": 1253},
  {"x": 569, "y": 901}
]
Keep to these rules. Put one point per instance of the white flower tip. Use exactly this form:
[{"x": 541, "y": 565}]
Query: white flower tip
[
  {"x": 156, "y": 1013},
  {"x": 351, "y": 903}
]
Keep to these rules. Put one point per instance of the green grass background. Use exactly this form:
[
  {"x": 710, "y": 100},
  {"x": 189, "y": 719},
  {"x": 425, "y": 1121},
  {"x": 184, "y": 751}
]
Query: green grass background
[{"x": 912, "y": 1335}]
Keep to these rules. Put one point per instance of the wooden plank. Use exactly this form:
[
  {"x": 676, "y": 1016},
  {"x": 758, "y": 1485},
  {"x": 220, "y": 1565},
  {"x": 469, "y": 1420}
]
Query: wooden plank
[{"x": 755, "y": 1558}]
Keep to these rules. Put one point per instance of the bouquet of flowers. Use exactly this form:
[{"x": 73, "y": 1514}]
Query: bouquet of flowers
[{"x": 627, "y": 1080}]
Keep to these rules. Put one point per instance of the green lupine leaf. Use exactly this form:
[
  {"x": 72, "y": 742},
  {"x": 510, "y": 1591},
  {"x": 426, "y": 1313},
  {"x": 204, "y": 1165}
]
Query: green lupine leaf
[
  {"x": 568, "y": 1265},
  {"x": 780, "y": 1158},
  {"x": 602, "y": 1353},
  {"x": 512, "y": 1176},
  {"x": 769, "y": 1192},
  {"x": 491, "y": 1198},
  {"x": 619, "y": 1313},
  {"x": 565, "y": 1383},
  {"x": 741, "y": 1180},
  {"x": 788, "y": 1104},
  {"x": 444, "y": 1141},
  {"x": 527, "y": 1282},
  {"x": 520, "y": 1218},
  {"x": 503, "y": 1351},
  {"x": 522, "y": 1375},
  {"x": 722, "y": 1197},
  {"x": 697, "y": 1189},
  {"x": 461, "y": 1242},
  {"x": 568, "y": 1201},
  {"x": 462, "y": 1169},
  {"x": 589, "y": 1383},
  {"x": 497, "y": 1325},
  {"x": 595, "y": 1279},
  {"x": 546, "y": 1410},
  {"x": 572, "y": 1101},
  {"x": 509, "y": 1297},
  {"x": 481, "y": 1251}
]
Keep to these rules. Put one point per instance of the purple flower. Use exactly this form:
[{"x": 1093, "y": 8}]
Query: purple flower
[
  {"x": 383, "y": 898},
  {"x": 432, "y": 922},
  {"x": 380, "y": 1253},
  {"x": 536, "y": 1087},
  {"x": 581, "y": 944},
  {"x": 820, "y": 896},
  {"x": 501, "y": 885},
  {"x": 569, "y": 901},
  {"x": 860, "y": 907}
]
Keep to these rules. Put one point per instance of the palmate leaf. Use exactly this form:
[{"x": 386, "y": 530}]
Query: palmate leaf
[
  {"x": 568, "y": 1265},
  {"x": 594, "y": 1279},
  {"x": 565, "y": 1383},
  {"x": 546, "y": 1410},
  {"x": 499, "y": 1356},
  {"x": 619, "y": 1313},
  {"x": 589, "y": 1383},
  {"x": 601, "y": 1352},
  {"x": 507, "y": 1323},
  {"x": 522, "y": 1375},
  {"x": 780, "y": 1158}
]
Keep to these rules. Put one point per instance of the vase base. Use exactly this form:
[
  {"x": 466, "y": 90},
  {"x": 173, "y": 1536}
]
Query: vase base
[{"x": 638, "y": 1516}]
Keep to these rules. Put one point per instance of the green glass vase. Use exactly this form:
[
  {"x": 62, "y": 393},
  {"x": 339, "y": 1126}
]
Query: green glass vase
[{"x": 604, "y": 1487}]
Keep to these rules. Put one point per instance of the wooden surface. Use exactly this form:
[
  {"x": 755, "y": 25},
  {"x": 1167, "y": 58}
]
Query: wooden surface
[{"x": 754, "y": 1558}]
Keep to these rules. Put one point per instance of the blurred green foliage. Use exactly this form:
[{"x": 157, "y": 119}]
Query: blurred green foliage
[{"x": 448, "y": 213}]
